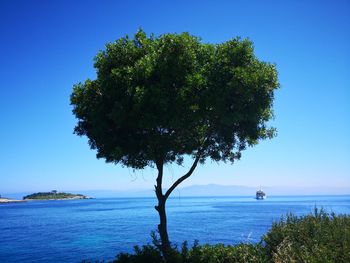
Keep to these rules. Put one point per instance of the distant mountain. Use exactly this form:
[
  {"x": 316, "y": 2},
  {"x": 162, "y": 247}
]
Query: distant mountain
[
  {"x": 194, "y": 190},
  {"x": 231, "y": 190},
  {"x": 216, "y": 190},
  {"x": 116, "y": 193},
  {"x": 227, "y": 190}
]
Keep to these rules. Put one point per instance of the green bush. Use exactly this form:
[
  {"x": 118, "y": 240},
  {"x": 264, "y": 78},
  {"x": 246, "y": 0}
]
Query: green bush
[
  {"x": 318, "y": 237},
  {"x": 197, "y": 254},
  {"x": 229, "y": 254},
  {"x": 146, "y": 254}
]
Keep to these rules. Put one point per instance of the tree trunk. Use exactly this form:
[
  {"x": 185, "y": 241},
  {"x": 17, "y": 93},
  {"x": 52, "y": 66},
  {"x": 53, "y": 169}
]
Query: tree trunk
[
  {"x": 162, "y": 227},
  {"x": 163, "y": 230}
]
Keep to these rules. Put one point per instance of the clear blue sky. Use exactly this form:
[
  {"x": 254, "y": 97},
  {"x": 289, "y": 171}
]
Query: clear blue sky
[{"x": 47, "y": 46}]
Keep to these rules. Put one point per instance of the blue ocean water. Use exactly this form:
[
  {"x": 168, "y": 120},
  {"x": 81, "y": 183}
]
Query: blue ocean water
[{"x": 96, "y": 229}]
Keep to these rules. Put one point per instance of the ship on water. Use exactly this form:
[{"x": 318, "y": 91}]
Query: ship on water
[{"x": 260, "y": 194}]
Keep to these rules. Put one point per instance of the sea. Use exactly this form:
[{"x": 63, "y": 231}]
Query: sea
[{"x": 98, "y": 229}]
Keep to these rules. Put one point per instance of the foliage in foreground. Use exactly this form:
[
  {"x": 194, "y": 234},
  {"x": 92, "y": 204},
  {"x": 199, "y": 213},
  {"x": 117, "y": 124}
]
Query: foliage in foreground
[
  {"x": 197, "y": 254},
  {"x": 318, "y": 237}
]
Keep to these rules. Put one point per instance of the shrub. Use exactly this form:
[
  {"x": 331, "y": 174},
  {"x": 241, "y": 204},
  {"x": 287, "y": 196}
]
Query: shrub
[
  {"x": 229, "y": 254},
  {"x": 318, "y": 237},
  {"x": 146, "y": 254},
  {"x": 248, "y": 253}
]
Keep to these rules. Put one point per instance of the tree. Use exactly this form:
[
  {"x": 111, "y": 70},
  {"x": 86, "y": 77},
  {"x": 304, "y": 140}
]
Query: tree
[{"x": 158, "y": 99}]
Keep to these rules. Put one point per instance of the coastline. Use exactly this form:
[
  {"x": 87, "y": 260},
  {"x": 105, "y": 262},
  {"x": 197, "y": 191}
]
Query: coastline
[{"x": 7, "y": 200}]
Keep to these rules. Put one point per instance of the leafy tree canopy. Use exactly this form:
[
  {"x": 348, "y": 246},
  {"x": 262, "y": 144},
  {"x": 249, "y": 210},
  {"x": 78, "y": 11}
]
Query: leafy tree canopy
[{"x": 157, "y": 99}]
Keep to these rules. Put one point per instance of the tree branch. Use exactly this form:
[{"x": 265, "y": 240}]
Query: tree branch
[{"x": 184, "y": 177}]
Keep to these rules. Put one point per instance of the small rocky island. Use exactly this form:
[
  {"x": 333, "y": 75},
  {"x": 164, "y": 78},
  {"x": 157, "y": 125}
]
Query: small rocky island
[{"x": 54, "y": 195}]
